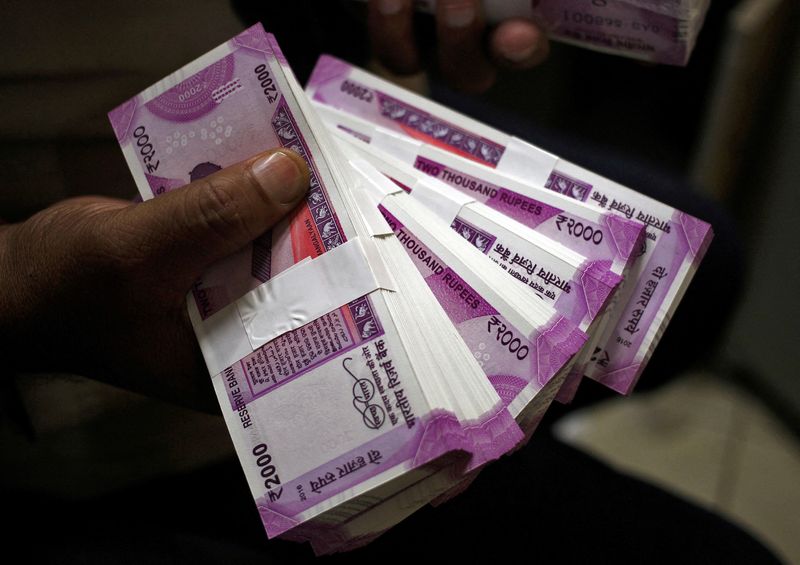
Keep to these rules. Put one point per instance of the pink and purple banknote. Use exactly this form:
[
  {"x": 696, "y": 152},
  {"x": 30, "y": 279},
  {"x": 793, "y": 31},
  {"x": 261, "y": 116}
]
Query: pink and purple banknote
[
  {"x": 317, "y": 381},
  {"x": 674, "y": 242}
]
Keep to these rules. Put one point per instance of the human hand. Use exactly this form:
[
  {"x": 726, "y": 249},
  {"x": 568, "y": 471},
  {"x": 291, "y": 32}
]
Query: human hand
[
  {"x": 97, "y": 286},
  {"x": 516, "y": 43}
]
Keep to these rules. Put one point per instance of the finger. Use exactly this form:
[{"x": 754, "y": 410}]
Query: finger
[
  {"x": 391, "y": 32},
  {"x": 459, "y": 28},
  {"x": 187, "y": 230},
  {"x": 519, "y": 44}
]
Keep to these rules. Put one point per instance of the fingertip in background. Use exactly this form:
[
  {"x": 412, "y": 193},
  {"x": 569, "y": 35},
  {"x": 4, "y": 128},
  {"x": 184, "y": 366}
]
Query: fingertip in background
[
  {"x": 519, "y": 43},
  {"x": 391, "y": 32},
  {"x": 458, "y": 13},
  {"x": 390, "y": 7},
  {"x": 462, "y": 59}
]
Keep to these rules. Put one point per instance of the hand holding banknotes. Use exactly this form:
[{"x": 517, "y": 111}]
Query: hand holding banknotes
[
  {"x": 97, "y": 286},
  {"x": 515, "y": 43}
]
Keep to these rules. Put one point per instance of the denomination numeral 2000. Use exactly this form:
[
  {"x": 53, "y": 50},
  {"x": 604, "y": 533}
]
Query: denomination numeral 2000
[
  {"x": 580, "y": 231},
  {"x": 270, "y": 90},
  {"x": 267, "y": 471},
  {"x": 146, "y": 149},
  {"x": 506, "y": 337}
]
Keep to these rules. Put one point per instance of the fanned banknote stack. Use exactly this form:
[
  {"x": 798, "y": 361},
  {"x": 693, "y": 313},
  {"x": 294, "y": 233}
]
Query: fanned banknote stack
[
  {"x": 416, "y": 315},
  {"x": 592, "y": 215}
]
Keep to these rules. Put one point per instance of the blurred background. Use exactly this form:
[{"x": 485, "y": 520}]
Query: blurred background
[{"x": 724, "y": 433}]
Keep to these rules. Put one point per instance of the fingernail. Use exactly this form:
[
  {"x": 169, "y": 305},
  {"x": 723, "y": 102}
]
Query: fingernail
[
  {"x": 459, "y": 14},
  {"x": 390, "y": 7},
  {"x": 520, "y": 55},
  {"x": 280, "y": 177}
]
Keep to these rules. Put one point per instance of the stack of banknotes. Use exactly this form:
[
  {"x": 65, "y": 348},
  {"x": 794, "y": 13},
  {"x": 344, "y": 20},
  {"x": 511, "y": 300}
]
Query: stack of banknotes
[
  {"x": 657, "y": 31},
  {"x": 414, "y": 317}
]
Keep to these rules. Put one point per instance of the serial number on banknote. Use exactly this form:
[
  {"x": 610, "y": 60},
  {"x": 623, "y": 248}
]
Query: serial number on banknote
[
  {"x": 584, "y": 18},
  {"x": 591, "y": 19}
]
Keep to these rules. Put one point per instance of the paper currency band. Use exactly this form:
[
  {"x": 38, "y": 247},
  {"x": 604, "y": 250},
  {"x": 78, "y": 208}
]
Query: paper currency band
[
  {"x": 446, "y": 203},
  {"x": 299, "y": 295},
  {"x": 526, "y": 161},
  {"x": 284, "y": 303},
  {"x": 446, "y": 206}
]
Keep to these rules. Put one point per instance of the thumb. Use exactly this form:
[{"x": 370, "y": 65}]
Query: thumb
[{"x": 186, "y": 230}]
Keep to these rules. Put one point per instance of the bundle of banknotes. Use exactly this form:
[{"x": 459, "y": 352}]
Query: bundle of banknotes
[
  {"x": 657, "y": 31},
  {"x": 414, "y": 317}
]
